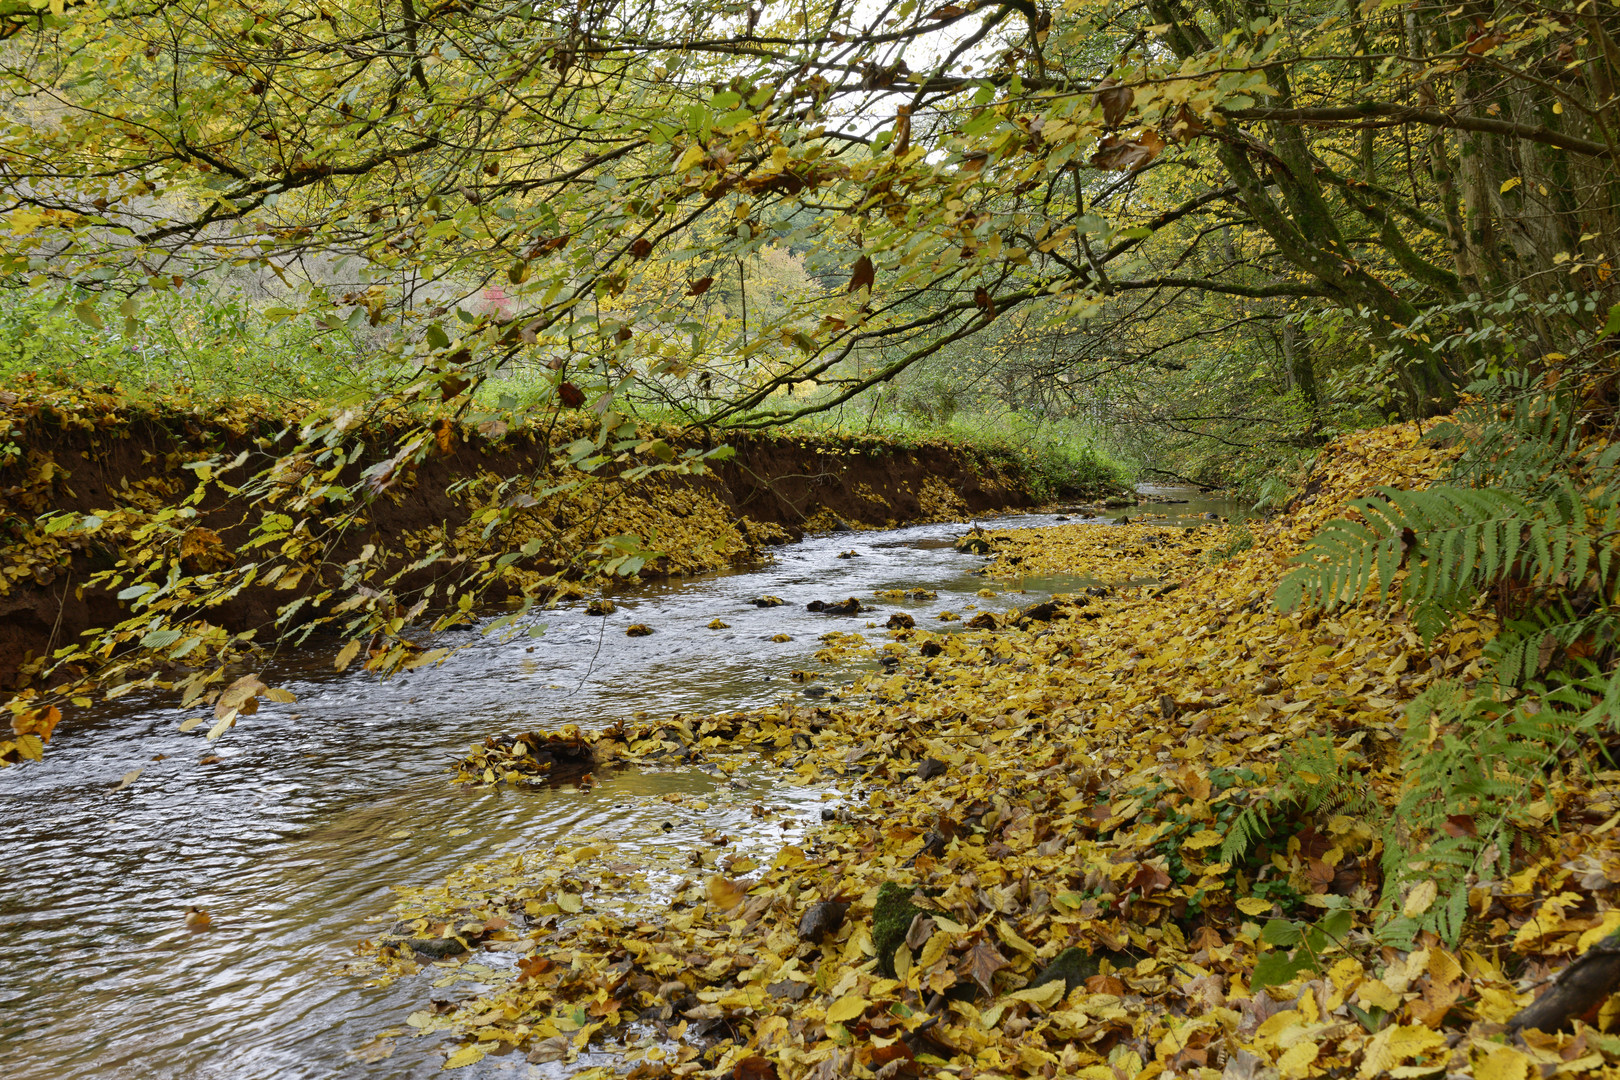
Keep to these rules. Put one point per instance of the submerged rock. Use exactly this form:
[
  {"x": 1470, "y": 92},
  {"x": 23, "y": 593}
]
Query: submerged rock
[
  {"x": 850, "y": 606},
  {"x": 438, "y": 948}
]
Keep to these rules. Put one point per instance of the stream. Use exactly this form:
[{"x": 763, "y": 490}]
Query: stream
[{"x": 292, "y": 838}]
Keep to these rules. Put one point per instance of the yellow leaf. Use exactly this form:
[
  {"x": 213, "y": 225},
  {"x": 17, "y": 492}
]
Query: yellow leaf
[
  {"x": 346, "y": 655},
  {"x": 1007, "y": 934},
  {"x": 1510, "y": 184},
  {"x": 1397, "y": 1045},
  {"x": 467, "y": 1055},
  {"x": 1296, "y": 1060},
  {"x": 937, "y": 946},
  {"x": 225, "y": 722},
  {"x": 845, "y": 1008},
  {"x": 788, "y": 857},
  {"x": 726, "y": 894},
  {"x": 1253, "y": 905},
  {"x": 1205, "y": 838},
  {"x": 570, "y": 902},
  {"x": 194, "y": 722},
  {"x": 1420, "y": 898},
  {"x": 1045, "y": 995},
  {"x": 1378, "y": 995},
  {"x": 1502, "y": 1063},
  {"x": 129, "y": 778}
]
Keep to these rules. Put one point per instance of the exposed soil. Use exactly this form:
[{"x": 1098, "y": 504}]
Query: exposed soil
[{"x": 88, "y": 455}]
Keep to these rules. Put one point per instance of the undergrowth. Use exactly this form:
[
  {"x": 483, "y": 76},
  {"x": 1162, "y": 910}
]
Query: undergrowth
[
  {"x": 1527, "y": 525},
  {"x": 209, "y": 343}
]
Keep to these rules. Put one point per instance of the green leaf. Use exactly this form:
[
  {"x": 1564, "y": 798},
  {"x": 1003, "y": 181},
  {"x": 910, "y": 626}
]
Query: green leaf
[
  {"x": 1613, "y": 325},
  {"x": 1278, "y": 968},
  {"x": 1282, "y": 933}
]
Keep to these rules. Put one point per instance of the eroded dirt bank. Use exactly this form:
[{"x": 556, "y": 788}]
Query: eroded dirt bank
[{"x": 136, "y": 470}]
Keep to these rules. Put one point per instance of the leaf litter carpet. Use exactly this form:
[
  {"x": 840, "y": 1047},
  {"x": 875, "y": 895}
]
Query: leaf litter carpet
[{"x": 1024, "y": 875}]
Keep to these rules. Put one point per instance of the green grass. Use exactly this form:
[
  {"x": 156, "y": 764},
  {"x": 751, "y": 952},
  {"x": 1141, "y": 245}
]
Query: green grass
[
  {"x": 211, "y": 344},
  {"x": 215, "y": 345},
  {"x": 1059, "y": 458}
]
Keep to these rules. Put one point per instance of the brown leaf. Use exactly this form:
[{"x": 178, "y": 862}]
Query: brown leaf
[
  {"x": 1115, "y": 101},
  {"x": 451, "y": 385},
  {"x": 533, "y": 966},
  {"x": 571, "y": 395},
  {"x": 981, "y": 963},
  {"x": 921, "y": 929},
  {"x": 862, "y": 274},
  {"x": 242, "y": 695},
  {"x": 1116, "y": 153},
  {"x": 546, "y": 247},
  {"x": 985, "y": 303},
  {"x": 1460, "y": 825},
  {"x": 947, "y": 11},
  {"x": 700, "y": 286},
  {"x": 640, "y": 247},
  {"x": 1186, "y": 124},
  {"x": 754, "y": 1068}
]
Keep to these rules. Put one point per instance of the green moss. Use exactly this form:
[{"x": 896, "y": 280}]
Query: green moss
[{"x": 891, "y": 920}]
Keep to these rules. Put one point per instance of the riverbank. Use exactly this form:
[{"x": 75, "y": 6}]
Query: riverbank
[
  {"x": 96, "y": 494},
  {"x": 1144, "y": 830}
]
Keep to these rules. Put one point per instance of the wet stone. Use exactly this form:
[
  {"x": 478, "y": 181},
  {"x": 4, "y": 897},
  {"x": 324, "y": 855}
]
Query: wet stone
[
  {"x": 788, "y": 990},
  {"x": 822, "y": 919},
  {"x": 437, "y": 948}
]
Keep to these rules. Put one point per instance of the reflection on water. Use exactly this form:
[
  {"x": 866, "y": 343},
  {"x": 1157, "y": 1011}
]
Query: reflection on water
[{"x": 313, "y": 809}]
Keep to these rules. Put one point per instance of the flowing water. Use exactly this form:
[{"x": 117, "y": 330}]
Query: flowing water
[{"x": 313, "y": 809}]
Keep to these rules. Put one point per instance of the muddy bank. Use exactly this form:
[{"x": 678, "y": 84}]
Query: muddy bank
[{"x": 132, "y": 468}]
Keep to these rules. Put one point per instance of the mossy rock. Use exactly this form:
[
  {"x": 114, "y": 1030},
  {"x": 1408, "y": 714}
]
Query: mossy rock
[{"x": 891, "y": 921}]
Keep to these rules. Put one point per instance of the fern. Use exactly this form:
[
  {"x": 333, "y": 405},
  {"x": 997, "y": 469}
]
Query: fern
[
  {"x": 1314, "y": 777},
  {"x": 1531, "y": 521}
]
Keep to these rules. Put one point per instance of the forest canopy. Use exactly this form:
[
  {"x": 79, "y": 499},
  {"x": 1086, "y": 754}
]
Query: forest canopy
[{"x": 1371, "y": 203}]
